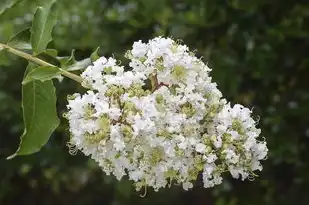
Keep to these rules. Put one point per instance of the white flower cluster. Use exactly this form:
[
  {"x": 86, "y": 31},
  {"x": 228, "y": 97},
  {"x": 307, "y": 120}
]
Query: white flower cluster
[{"x": 162, "y": 120}]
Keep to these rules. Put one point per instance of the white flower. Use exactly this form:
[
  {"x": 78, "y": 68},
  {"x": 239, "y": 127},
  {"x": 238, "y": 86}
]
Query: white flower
[
  {"x": 210, "y": 158},
  {"x": 139, "y": 49},
  {"x": 200, "y": 148},
  {"x": 163, "y": 121},
  {"x": 231, "y": 156},
  {"x": 187, "y": 185}
]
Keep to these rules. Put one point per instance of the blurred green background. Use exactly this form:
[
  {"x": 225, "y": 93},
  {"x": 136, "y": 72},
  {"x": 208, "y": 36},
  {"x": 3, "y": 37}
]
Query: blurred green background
[{"x": 259, "y": 52}]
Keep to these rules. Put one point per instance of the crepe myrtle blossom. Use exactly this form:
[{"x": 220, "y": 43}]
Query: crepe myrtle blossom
[{"x": 162, "y": 121}]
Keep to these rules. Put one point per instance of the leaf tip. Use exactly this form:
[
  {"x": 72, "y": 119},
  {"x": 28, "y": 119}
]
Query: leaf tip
[{"x": 11, "y": 156}]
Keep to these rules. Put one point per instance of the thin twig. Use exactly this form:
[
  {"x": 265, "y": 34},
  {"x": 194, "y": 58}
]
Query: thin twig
[{"x": 39, "y": 62}]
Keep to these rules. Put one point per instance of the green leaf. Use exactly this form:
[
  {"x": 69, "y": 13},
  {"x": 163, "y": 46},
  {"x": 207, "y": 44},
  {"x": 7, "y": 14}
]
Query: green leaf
[
  {"x": 95, "y": 56},
  {"x": 69, "y": 63},
  {"x": 44, "y": 20},
  {"x": 79, "y": 65},
  {"x": 62, "y": 60},
  {"x": 42, "y": 73},
  {"x": 51, "y": 52},
  {"x": 4, "y": 58},
  {"x": 69, "y": 60},
  {"x": 21, "y": 40},
  {"x": 39, "y": 113},
  {"x": 49, "y": 55},
  {"x": 7, "y": 4},
  {"x": 66, "y": 61}
]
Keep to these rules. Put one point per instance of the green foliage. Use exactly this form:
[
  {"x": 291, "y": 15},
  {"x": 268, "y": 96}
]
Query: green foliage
[
  {"x": 38, "y": 91},
  {"x": 51, "y": 52},
  {"x": 42, "y": 73},
  {"x": 4, "y": 58},
  {"x": 21, "y": 40},
  {"x": 78, "y": 65},
  {"x": 69, "y": 63},
  {"x": 7, "y": 4},
  {"x": 258, "y": 51},
  {"x": 43, "y": 23},
  {"x": 94, "y": 56},
  {"x": 40, "y": 115}
]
